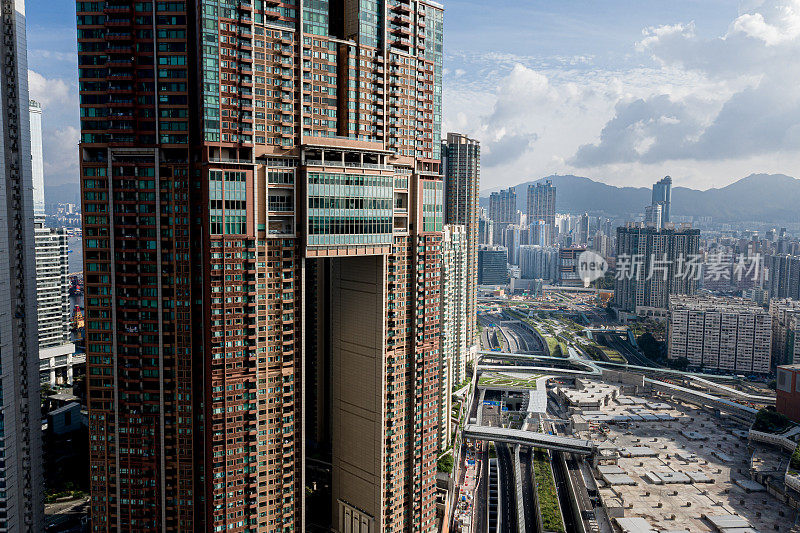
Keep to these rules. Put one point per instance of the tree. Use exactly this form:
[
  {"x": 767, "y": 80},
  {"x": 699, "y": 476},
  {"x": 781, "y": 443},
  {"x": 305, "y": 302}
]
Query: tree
[{"x": 445, "y": 463}]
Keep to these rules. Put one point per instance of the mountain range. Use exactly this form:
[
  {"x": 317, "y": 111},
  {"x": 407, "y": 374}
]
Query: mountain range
[{"x": 758, "y": 197}]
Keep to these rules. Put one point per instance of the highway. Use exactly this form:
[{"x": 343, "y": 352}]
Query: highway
[
  {"x": 593, "y": 516},
  {"x": 627, "y": 351},
  {"x": 508, "y": 499},
  {"x": 527, "y": 490}
]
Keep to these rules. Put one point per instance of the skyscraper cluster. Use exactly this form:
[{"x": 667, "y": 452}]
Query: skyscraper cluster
[
  {"x": 542, "y": 208},
  {"x": 658, "y": 263}
]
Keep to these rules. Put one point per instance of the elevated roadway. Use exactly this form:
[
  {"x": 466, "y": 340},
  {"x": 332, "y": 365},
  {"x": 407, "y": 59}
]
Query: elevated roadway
[{"x": 529, "y": 438}]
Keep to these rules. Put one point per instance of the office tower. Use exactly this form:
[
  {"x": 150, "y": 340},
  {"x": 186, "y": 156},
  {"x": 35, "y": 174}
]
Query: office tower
[
  {"x": 455, "y": 338},
  {"x": 582, "y": 236},
  {"x": 485, "y": 232},
  {"x": 653, "y": 215},
  {"x": 272, "y": 141},
  {"x": 37, "y": 160},
  {"x": 21, "y": 497},
  {"x": 729, "y": 334},
  {"x": 542, "y": 204},
  {"x": 492, "y": 265},
  {"x": 52, "y": 296},
  {"x": 662, "y": 195},
  {"x": 783, "y": 276},
  {"x": 538, "y": 262},
  {"x": 568, "y": 274},
  {"x": 656, "y": 263},
  {"x": 462, "y": 166}
]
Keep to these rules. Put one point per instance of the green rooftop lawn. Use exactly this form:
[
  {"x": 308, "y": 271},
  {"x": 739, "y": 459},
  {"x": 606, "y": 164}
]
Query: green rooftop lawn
[{"x": 500, "y": 380}]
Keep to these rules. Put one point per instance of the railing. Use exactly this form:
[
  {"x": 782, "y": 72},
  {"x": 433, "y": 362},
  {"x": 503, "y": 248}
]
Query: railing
[{"x": 347, "y": 164}]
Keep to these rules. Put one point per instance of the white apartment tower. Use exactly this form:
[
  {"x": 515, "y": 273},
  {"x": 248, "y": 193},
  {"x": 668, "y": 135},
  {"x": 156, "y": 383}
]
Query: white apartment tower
[
  {"x": 729, "y": 334},
  {"x": 455, "y": 341}
]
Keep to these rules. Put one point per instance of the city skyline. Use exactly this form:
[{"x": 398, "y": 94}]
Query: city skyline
[
  {"x": 635, "y": 64},
  {"x": 295, "y": 311}
]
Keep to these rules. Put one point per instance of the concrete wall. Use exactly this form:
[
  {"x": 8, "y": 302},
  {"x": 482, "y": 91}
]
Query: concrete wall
[{"x": 357, "y": 335}]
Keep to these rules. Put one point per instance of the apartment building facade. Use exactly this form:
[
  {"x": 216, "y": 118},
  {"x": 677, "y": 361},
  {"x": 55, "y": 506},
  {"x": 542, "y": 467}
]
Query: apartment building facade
[
  {"x": 462, "y": 172},
  {"x": 729, "y": 334},
  {"x": 241, "y": 160},
  {"x": 785, "y": 315},
  {"x": 542, "y": 206},
  {"x": 656, "y": 263}
]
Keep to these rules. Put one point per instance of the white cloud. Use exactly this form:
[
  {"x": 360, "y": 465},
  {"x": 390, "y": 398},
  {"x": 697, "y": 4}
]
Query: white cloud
[
  {"x": 755, "y": 59},
  {"x": 706, "y": 110},
  {"x": 60, "y": 146},
  {"x": 49, "y": 92}
]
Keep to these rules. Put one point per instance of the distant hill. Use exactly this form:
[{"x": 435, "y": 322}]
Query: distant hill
[{"x": 758, "y": 197}]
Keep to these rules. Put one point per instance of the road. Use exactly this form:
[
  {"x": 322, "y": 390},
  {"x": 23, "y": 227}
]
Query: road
[
  {"x": 65, "y": 517},
  {"x": 508, "y": 498},
  {"x": 527, "y": 489},
  {"x": 629, "y": 352}
]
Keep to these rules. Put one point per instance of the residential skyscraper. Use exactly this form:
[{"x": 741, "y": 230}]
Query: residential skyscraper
[
  {"x": 542, "y": 205},
  {"x": 785, "y": 315},
  {"x": 455, "y": 305},
  {"x": 37, "y": 159},
  {"x": 52, "y": 297},
  {"x": 662, "y": 195},
  {"x": 21, "y": 497},
  {"x": 582, "y": 236},
  {"x": 657, "y": 263},
  {"x": 653, "y": 215},
  {"x": 537, "y": 262},
  {"x": 540, "y": 233},
  {"x": 462, "y": 166},
  {"x": 503, "y": 206},
  {"x": 280, "y": 163},
  {"x": 485, "y": 231},
  {"x": 783, "y": 276},
  {"x": 730, "y": 334}
]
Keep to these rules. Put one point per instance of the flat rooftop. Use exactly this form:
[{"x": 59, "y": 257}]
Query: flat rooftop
[{"x": 695, "y": 476}]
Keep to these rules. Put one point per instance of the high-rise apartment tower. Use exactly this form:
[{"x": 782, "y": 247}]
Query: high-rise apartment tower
[
  {"x": 653, "y": 264},
  {"x": 262, "y": 202},
  {"x": 462, "y": 167},
  {"x": 542, "y": 205},
  {"x": 37, "y": 159}
]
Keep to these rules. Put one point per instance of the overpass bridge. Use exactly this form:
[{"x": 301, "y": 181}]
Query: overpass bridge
[{"x": 530, "y": 439}]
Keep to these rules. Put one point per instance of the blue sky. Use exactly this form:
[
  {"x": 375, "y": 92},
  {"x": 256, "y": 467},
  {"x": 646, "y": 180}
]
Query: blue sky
[{"x": 624, "y": 91}]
